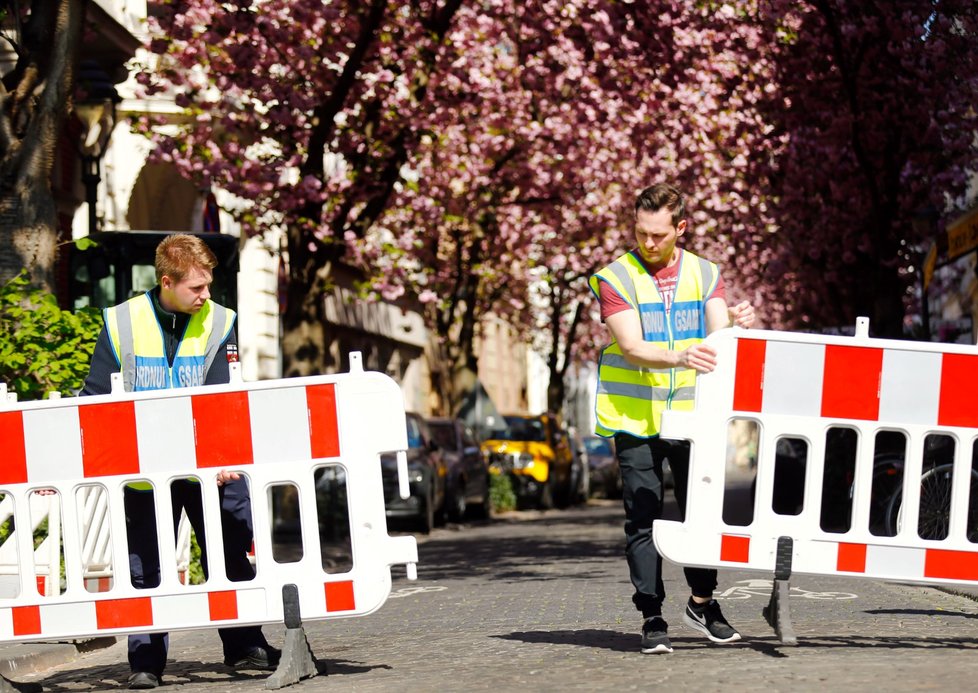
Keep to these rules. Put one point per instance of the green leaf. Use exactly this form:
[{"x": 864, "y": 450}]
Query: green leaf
[{"x": 42, "y": 347}]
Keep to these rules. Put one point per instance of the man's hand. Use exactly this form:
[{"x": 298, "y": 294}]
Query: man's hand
[
  {"x": 742, "y": 314},
  {"x": 700, "y": 357},
  {"x": 225, "y": 476}
]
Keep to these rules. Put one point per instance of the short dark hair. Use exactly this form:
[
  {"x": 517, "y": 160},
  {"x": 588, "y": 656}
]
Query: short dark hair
[{"x": 659, "y": 196}]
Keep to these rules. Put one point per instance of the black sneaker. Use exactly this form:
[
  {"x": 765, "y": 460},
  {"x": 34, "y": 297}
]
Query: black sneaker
[
  {"x": 264, "y": 658},
  {"x": 141, "y": 680},
  {"x": 655, "y": 638},
  {"x": 709, "y": 621}
]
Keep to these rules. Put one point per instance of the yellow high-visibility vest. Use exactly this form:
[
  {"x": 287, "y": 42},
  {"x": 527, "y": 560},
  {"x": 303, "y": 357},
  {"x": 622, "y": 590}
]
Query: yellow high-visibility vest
[
  {"x": 137, "y": 341},
  {"x": 631, "y": 399}
]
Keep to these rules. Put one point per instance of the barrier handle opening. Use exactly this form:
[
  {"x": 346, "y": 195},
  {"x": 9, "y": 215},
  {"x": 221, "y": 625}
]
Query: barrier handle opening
[{"x": 402, "y": 474}]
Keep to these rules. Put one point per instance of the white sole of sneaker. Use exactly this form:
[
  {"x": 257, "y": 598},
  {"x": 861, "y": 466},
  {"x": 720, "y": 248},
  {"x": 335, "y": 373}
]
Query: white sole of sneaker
[
  {"x": 658, "y": 649},
  {"x": 700, "y": 628}
]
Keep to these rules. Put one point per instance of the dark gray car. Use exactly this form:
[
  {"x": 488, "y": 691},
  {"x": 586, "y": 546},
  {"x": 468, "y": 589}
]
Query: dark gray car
[
  {"x": 427, "y": 473},
  {"x": 605, "y": 476},
  {"x": 467, "y": 486}
]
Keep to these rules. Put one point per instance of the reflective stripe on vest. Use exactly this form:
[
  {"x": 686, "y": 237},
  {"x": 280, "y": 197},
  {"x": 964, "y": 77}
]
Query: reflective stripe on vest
[
  {"x": 137, "y": 340},
  {"x": 630, "y": 398}
]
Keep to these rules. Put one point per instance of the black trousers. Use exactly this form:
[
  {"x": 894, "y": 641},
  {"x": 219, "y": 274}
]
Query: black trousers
[
  {"x": 147, "y": 651},
  {"x": 640, "y": 461}
]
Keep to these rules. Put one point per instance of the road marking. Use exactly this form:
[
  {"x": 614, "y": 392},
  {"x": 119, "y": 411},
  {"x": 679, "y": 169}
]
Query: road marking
[
  {"x": 745, "y": 589},
  {"x": 409, "y": 591}
]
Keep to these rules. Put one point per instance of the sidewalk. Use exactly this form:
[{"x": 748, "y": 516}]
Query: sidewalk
[{"x": 19, "y": 659}]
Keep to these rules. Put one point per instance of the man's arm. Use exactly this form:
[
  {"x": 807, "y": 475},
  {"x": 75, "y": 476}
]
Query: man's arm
[
  {"x": 626, "y": 328},
  {"x": 718, "y": 315},
  {"x": 104, "y": 364}
]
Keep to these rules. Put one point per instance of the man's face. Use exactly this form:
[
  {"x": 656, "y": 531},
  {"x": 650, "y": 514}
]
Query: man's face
[
  {"x": 187, "y": 295},
  {"x": 656, "y": 236}
]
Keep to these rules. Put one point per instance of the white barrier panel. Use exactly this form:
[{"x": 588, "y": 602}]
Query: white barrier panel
[
  {"x": 799, "y": 386},
  {"x": 272, "y": 432}
]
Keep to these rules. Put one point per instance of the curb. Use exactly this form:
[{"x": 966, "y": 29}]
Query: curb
[
  {"x": 966, "y": 592},
  {"x": 22, "y": 659}
]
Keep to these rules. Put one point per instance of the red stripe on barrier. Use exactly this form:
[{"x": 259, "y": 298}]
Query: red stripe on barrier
[
  {"x": 222, "y": 429},
  {"x": 734, "y": 548},
  {"x": 14, "y": 467},
  {"x": 41, "y": 582},
  {"x": 124, "y": 613},
  {"x": 749, "y": 378},
  {"x": 851, "y": 559},
  {"x": 223, "y": 605},
  {"x": 323, "y": 429},
  {"x": 102, "y": 584},
  {"x": 108, "y": 436},
  {"x": 27, "y": 620},
  {"x": 851, "y": 382},
  {"x": 951, "y": 565},
  {"x": 339, "y": 596},
  {"x": 959, "y": 380}
]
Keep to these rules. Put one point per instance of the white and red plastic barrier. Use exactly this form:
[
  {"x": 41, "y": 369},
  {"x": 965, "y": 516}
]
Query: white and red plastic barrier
[
  {"x": 800, "y": 385},
  {"x": 272, "y": 432}
]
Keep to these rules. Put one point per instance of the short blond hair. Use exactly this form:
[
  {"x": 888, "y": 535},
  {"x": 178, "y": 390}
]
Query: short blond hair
[{"x": 176, "y": 255}]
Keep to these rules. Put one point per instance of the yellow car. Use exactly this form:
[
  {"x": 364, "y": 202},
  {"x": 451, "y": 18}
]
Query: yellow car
[{"x": 535, "y": 452}]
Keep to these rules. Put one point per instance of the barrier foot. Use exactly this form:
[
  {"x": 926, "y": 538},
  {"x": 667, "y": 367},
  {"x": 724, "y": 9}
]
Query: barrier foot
[
  {"x": 297, "y": 661},
  {"x": 778, "y": 612},
  {"x": 8, "y": 686}
]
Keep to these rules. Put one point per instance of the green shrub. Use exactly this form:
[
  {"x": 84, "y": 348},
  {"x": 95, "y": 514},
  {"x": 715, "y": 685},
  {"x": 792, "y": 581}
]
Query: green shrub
[
  {"x": 196, "y": 570},
  {"x": 501, "y": 494},
  {"x": 42, "y": 347}
]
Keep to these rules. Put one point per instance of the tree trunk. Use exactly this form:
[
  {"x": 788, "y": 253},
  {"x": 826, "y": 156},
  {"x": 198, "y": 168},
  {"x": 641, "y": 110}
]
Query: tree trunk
[
  {"x": 28, "y": 235},
  {"x": 34, "y": 99},
  {"x": 564, "y": 296},
  {"x": 888, "y": 308},
  {"x": 304, "y": 346}
]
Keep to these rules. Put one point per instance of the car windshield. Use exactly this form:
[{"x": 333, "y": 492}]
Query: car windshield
[
  {"x": 443, "y": 434},
  {"x": 598, "y": 446},
  {"x": 522, "y": 429}
]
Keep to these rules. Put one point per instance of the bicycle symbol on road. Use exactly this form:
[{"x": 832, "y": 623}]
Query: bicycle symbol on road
[
  {"x": 745, "y": 589},
  {"x": 409, "y": 591}
]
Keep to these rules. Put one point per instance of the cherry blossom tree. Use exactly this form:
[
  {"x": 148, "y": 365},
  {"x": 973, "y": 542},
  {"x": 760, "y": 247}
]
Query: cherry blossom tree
[
  {"x": 307, "y": 110},
  {"x": 514, "y": 198},
  {"x": 583, "y": 104},
  {"x": 483, "y": 155},
  {"x": 875, "y": 107}
]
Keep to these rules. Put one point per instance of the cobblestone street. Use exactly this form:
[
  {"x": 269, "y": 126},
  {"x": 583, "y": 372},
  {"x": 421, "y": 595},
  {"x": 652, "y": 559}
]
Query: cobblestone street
[{"x": 541, "y": 601}]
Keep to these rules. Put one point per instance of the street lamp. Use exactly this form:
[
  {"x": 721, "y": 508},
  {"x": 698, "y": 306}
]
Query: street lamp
[{"x": 95, "y": 100}]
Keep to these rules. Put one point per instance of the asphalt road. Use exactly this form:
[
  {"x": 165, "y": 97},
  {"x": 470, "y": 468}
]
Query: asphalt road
[{"x": 541, "y": 601}]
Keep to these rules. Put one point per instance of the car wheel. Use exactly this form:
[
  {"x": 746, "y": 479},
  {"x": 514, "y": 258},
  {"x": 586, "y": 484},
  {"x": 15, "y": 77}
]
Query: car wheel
[
  {"x": 426, "y": 521},
  {"x": 481, "y": 511},
  {"x": 457, "y": 504},
  {"x": 546, "y": 500}
]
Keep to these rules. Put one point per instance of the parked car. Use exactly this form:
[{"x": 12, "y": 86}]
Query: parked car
[
  {"x": 535, "y": 452},
  {"x": 580, "y": 484},
  {"x": 467, "y": 485},
  {"x": 427, "y": 474},
  {"x": 605, "y": 475}
]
